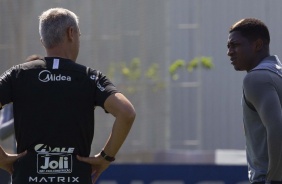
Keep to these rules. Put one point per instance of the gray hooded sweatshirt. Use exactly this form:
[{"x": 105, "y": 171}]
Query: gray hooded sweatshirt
[{"x": 262, "y": 115}]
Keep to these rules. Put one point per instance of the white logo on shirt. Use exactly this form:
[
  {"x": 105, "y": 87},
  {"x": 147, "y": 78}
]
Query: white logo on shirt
[
  {"x": 46, "y": 76},
  {"x": 53, "y": 160},
  {"x": 52, "y": 179},
  {"x": 100, "y": 87},
  {"x": 93, "y": 77}
]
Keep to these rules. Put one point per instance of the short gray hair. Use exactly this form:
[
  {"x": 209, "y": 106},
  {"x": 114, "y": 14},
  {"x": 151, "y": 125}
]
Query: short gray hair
[{"x": 53, "y": 24}]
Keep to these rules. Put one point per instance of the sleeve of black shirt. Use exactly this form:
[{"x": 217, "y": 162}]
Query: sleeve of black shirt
[{"x": 103, "y": 88}]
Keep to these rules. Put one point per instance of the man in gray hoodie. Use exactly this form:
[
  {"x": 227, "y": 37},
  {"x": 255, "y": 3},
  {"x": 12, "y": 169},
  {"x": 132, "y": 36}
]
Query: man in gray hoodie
[{"x": 248, "y": 49}]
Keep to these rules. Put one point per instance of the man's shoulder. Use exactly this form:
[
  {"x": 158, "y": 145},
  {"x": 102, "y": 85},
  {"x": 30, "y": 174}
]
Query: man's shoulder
[
  {"x": 256, "y": 74},
  {"x": 91, "y": 73},
  {"x": 261, "y": 74},
  {"x": 257, "y": 77}
]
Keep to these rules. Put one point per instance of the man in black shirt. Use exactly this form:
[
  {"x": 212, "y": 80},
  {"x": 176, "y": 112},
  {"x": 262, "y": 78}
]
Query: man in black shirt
[{"x": 54, "y": 100}]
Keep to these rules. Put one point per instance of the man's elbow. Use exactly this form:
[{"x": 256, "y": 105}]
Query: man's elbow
[{"x": 130, "y": 115}]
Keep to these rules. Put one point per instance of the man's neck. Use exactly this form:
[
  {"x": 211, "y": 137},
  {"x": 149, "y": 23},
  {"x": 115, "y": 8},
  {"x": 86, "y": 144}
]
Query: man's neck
[
  {"x": 59, "y": 51},
  {"x": 258, "y": 60}
]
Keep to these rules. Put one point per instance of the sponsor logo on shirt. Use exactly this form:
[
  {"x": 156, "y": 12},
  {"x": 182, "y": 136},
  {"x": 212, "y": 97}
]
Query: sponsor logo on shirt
[
  {"x": 47, "y": 76},
  {"x": 53, "y": 160},
  {"x": 99, "y": 86},
  {"x": 93, "y": 77},
  {"x": 53, "y": 179}
]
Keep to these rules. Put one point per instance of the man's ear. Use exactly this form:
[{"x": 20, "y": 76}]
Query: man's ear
[
  {"x": 258, "y": 44},
  {"x": 41, "y": 41},
  {"x": 70, "y": 33}
]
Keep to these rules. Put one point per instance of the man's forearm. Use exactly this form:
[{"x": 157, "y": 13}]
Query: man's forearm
[
  {"x": 119, "y": 133},
  {"x": 121, "y": 108}
]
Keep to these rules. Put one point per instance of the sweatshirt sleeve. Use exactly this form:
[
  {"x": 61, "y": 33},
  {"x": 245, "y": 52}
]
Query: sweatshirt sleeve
[{"x": 261, "y": 91}]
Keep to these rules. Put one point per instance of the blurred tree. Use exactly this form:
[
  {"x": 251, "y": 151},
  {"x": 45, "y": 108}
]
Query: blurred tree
[
  {"x": 132, "y": 78},
  {"x": 205, "y": 62}
]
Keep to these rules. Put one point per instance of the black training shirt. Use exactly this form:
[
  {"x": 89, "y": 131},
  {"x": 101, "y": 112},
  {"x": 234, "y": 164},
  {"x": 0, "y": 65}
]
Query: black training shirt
[{"x": 54, "y": 101}]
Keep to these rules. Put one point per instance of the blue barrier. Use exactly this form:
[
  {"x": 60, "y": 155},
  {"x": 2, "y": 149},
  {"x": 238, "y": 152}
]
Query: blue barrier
[
  {"x": 167, "y": 174},
  {"x": 173, "y": 174}
]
